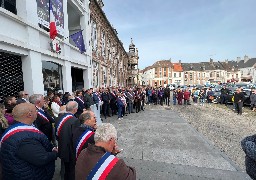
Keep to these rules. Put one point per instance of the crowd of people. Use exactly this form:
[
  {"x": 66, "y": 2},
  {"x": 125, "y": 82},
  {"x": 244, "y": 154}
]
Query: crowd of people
[
  {"x": 206, "y": 95},
  {"x": 38, "y": 129}
]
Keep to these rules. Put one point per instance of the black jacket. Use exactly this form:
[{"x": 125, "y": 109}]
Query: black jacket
[
  {"x": 238, "y": 97},
  {"x": 88, "y": 100},
  {"x": 105, "y": 97},
  {"x": 64, "y": 137},
  {"x": 44, "y": 123},
  {"x": 224, "y": 91},
  {"x": 77, "y": 133}
]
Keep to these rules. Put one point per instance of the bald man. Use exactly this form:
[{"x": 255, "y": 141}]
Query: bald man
[{"x": 25, "y": 150}]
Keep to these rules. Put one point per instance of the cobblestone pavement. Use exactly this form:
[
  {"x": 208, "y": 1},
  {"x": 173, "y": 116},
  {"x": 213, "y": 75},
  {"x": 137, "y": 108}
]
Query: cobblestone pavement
[
  {"x": 224, "y": 128},
  {"x": 161, "y": 144}
]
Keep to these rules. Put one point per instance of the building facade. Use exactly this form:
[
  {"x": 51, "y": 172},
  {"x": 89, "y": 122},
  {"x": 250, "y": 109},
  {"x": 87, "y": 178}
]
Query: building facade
[
  {"x": 159, "y": 74},
  {"x": 109, "y": 58},
  {"x": 33, "y": 62}
]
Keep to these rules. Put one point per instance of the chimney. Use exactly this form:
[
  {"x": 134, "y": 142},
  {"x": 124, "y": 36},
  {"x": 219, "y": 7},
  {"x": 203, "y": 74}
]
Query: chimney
[
  {"x": 179, "y": 61},
  {"x": 211, "y": 60},
  {"x": 246, "y": 58},
  {"x": 238, "y": 59},
  {"x": 226, "y": 60},
  {"x": 101, "y": 4}
]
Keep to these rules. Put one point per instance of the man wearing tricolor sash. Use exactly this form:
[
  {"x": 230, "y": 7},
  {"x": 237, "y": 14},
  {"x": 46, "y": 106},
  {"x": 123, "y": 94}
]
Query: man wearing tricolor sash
[
  {"x": 99, "y": 161},
  {"x": 80, "y": 101},
  {"x": 44, "y": 120},
  {"x": 84, "y": 134},
  {"x": 64, "y": 127},
  {"x": 26, "y": 153}
]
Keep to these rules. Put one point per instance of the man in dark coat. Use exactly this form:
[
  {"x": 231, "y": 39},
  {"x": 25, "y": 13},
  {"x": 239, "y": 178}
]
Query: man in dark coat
[
  {"x": 81, "y": 104},
  {"x": 167, "y": 95},
  {"x": 105, "y": 96},
  {"x": 26, "y": 152},
  {"x": 91, "y": 159},
  {"x": 224, "y": 94},
  {"x": 65, "y": 125},
  {"x": 84, "y": 134},
  {"x": 23, "y": 97},
  {"x": 88, "y": 100},
  {"x": 239, "y": 100},
  {"x": 44, "y": 120}
]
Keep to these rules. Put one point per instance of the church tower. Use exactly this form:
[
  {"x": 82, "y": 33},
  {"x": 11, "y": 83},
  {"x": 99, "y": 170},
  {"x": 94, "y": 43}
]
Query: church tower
[{"x": 132, "y": 71}]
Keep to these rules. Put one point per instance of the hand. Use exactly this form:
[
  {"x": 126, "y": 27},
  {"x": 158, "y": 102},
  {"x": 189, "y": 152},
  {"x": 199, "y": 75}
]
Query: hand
[
  {"x": 115, "y": 150},
  {"x": 55, "y": 149}
]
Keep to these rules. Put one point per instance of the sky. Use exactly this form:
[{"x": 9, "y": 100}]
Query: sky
[{"x": 186, "y": 30}]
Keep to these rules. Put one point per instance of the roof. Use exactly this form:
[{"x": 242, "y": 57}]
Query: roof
[
  {"x": 177, "y": 67},
  {"x": 162, "y": 63}
]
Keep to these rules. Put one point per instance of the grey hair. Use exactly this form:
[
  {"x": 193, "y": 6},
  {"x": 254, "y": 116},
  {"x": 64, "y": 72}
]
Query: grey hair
[
  {"x": 71, "y": 105},
  {"x": 85, "y": 116},
  {"x": 21, "y": 94},
  {"x": 35, "y": 98},
  {"x": 105, "y": 132}
]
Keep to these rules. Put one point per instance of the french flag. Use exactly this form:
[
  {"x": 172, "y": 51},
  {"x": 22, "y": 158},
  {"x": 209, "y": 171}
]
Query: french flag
[{"x": 53, "y": 30}]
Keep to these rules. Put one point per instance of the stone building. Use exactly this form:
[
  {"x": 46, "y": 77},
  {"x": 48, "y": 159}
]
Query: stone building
[
  {"x": 132, "y": 70},
  {"x": 159, "y": 74},
  {"x": 177, "y": 74},
  {"x": 28, "y": 62},
  {"x": 109, "y": 58}
]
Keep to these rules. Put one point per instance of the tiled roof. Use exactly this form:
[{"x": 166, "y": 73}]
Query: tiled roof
[
  {"x": 162, "y": 63},
  {"x": 177, "y": 67},
  {"x": 250, "y": 63}
]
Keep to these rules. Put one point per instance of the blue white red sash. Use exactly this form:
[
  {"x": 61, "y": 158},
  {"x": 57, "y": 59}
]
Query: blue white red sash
[
  {"x": 103, "y": 167},
  {"x": 80, "y": 99},
  {"x": 41, "y": 114},
  {"x": 62, "y": 122},
  {"x": 98, "y": 96},
  {"x": 82, "y": 140},
  {"x": 18, "y": 128}
]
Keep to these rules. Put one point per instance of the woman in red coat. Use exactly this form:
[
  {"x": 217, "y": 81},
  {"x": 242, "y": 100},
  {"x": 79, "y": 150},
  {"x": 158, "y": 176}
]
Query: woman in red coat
[
  {"x": 186, "y": 95},
  {"x": 180, "y": 96}
]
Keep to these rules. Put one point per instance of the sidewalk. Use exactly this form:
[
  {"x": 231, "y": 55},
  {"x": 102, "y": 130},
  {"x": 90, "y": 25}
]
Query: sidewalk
[{"x": 162, "y": 145}]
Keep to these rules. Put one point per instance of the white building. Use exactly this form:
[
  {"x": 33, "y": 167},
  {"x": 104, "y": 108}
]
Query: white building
[
  {"x": 26, "y": 59},
  {"x": 148, "y": 75}
]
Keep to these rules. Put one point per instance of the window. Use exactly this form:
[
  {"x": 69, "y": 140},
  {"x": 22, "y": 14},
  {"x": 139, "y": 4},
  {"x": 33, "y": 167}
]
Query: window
[
  {"x": 9, "y": 5},
  {"x": 191, "y": 76},
  {"x": 199, "y": 74},
  {"x": 52, "y": 76},
  {"x": 218, "y": 74},
  {"x": 211, "y": 74},
  {"x": 236, "y": 75},
  {"x": 174, "y": 75},
  {"x": 155, "y": 70},
  {"x": 160, "y": 83}
]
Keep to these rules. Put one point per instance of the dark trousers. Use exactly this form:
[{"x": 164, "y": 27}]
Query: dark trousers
[
  {"x": 161, "y": 100},
  {"x": 69, "y": 168},
  {"x": 106, "y": 109},
  {"x": 223, "y": 99},
  {"x": 239, "y": 107},
  {"x": 137, "y": 106},
  {"x": 167, "y": 100}
]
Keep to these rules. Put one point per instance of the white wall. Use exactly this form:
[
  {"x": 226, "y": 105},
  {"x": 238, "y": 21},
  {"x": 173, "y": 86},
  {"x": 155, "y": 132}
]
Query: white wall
[{"x": 20, "y": 35}]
